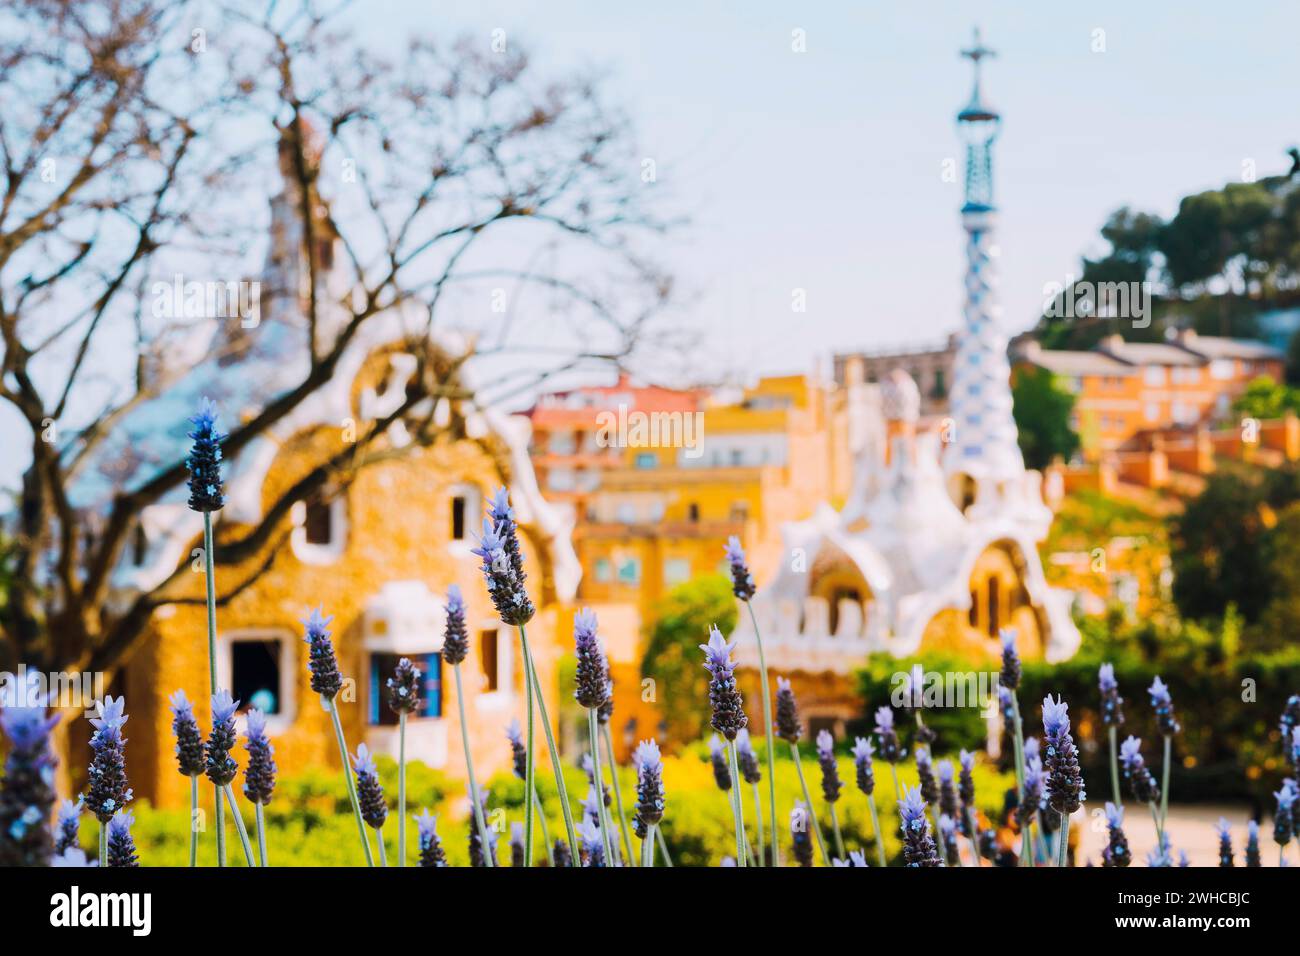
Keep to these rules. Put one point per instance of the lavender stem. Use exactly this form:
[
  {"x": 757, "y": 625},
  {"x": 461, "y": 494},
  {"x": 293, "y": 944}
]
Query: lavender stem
[
  {"x": 331, "y": 705},
  {"x": 469, "y": 768}
]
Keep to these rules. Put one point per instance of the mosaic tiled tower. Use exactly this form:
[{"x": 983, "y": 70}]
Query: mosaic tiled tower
[{"x": 983, "y": 446}]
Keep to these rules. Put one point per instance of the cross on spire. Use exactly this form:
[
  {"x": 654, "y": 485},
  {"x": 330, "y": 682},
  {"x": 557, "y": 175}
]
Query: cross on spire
[{"x": 978, "y": 51}]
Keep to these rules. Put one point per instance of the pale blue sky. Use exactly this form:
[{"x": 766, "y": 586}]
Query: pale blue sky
[{"x": 821, "y": 170}]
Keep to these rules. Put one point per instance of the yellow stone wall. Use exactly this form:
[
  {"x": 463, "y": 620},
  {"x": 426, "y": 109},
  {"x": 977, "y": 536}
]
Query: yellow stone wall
[{"x": 398, "y": 529}]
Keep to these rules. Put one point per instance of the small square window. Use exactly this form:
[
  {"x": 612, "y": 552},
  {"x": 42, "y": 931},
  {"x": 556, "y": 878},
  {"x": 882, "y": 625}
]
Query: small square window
[
  {"x": 458, "y": 518},
  {"x": 488, "y": 659},
  {"x": 604, "y": 570},
  {"x": 318, "y": 524},
  {"x": 382, "y": 667},
  {"x": 255, "y": 677}
]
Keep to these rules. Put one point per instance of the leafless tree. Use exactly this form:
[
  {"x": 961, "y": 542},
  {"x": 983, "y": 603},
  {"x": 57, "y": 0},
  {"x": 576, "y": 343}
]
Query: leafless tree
[{"x": 138, "y": 137}]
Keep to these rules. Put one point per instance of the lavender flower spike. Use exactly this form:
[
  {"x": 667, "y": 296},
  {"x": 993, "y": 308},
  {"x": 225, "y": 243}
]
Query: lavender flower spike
[
  {"x": 749, "y": 769},
  {"x": 593, "y": 845},
  {"x": 1164, "y": 708},
  {"x": 27, "y": 788},
  {"x": 204, "y": 461},
  {"x": 718, "y": 758},
  {"x": 1010, "y": 675},
  {"x": 799, "y": 819},
  {"x": 455, "y": 638},
  {"x": 742, "y": 582},
  {"x": 221, "y": 767},
  {"x": 788, "y": 727},
  {"x": 259, "y": 777},
  {"x": 503, "y": 562},
  {"x": 650, "y": 783},
  {"x": 431, "y": 851},
  {"x": 324, "y": 667},
  {"x": 190, "y": 758},
  {"x": 918, "y": 845},
  {"x": 728, "y": 707},
  {"x": 1116, "y": 853},
  {"x": 1252, "y": 844},
  {"x": 121, "y": 847},
  {"x": 518, "y": 752},
  {"x": 862, "y": 763},
  {"x": 1064, "y": 781},
  {"x": 888, "y": 737},
  {"x": 831, "y": 784},
  {"x": 404, "y": 688},
  {"x": 374, "y": 808},
  {"x": 108, "y": 792},
  {"x": 1141, "y": 782},
  {"x": 1112, "y": 705},
  {"x": 1224, "y": 830},
  {"x": 1283, "y": 817},
  {"x": 592, "y": 677},
  {"x": 68, "y": 831}
]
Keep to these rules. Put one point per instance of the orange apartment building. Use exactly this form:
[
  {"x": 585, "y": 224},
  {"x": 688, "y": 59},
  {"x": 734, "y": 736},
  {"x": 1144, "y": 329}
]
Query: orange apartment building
[{"x": 1124, "y": 389}]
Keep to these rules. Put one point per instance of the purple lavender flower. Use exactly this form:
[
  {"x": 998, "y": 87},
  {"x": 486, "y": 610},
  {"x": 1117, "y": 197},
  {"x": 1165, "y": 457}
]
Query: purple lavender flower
[
  {"x": 404, "y": 688},
  {"x": 1031, "y": 748},
  {"x": 1031, "y": 793},
  {"x": 649, "y": 783},
  {"x": 947, "y": 789},
  {"x": 721, "y": 770},
  {"x": 324, "y": 667},
  {"x": 606, "y": 710},
  {"x": 788, "y": 727},
  {"x": 803, "y": 851},
  {"x": 259, "y": 777},
  {"x": 190, "y": 759},
  {"x": 370, "y": 795},
  {"x": 948, "y": 836},
  {"x": 1010, "y": 675},
  {"x": 1283, "y": 821},
  {"x": 1164, "y": 708},
  {"x": 503, "y": 562},
  {"x": 589, "y": 768},
  {"x": 1289, "y": 724},
  {"x": 1162, "y": 855},
  {"x": 476, "y": 849},
  {"x": 108, "y": 792},
  {"x": 918, "y": 846},
  {"x": 1112, "y": 705},
  {"x": 1064, "y": 781},
  {"x": 966, "y": 780},
  {"x": 204, "y": 461},
  {"x": 888, "y": 737},
  {"x": 926, "y": 783},
  {"x": 455, "y": 638},
  {"x": 591, "y": 804},
  {"x": 68, "y": 831},
  {"x": 1134, "y": 768},
  {"x": 1116, "y": 853},
  {"x": 27, "y": 788},
  {"x": 518, "y": 752},
  {"x": 1224, "y": 830},
  {"x": 517, "y": 844},
  {"x": 742, "y": 582},
  {"x": 866, "y": 774},
  {"x": 593, "y": 847},
  {"x": 728, "y": 707},
  {"x": 221, "y": 767},
  {"x": 591, "y": 680},
  {"x": 747, "y": 759},
  {"x": 831, "y": 785},
  {"x": 1252, "y": 844},
  {"x": 431, "y": 852},
  {"x": 563, "y": 855},
  {"x": 121, "y": 848}
]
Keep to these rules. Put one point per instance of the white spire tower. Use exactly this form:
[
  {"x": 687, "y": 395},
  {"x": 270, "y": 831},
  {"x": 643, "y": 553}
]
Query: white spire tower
[{"x": 983, "y": 450}]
